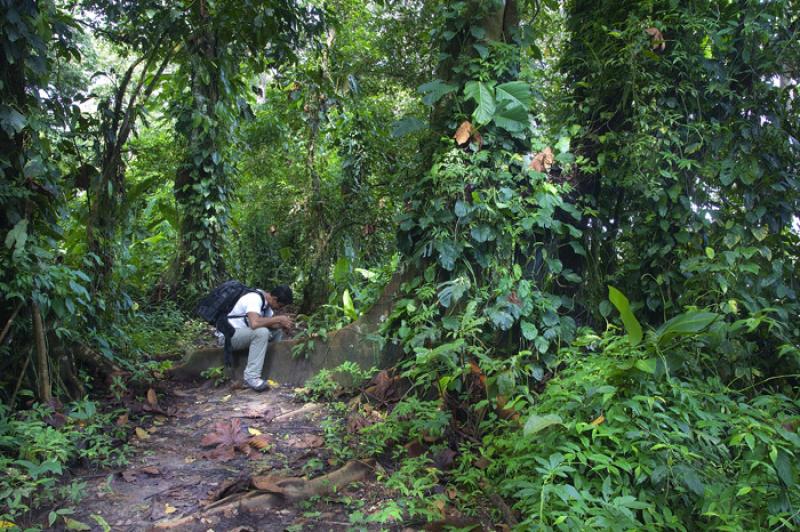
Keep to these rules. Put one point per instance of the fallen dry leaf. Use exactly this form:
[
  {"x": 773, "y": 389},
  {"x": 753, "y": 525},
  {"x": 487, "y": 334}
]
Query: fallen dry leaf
[
  {"x": 445, "y": 458},
  {"x": 253, "y": 431},
  {"x": 169, "y": 509},
  {"x": 302, "y": 441},
  {"x": 228, "y": 436},
  {"x": 152, "y": 399},
  {"x": 481, "y": 463},
  {"x": 122, "y": 420},
  {"x": 657, "y": 39},
  {"x": 384, "y": 388},
  {"x": 262, "y": 442},
  {"x": 543, "y": 161},
  {"x": 141, "y": 433},
  {"x": 463, "y": 133},
  {"x": 226, "y": 398},
  {"x": 150, "y": 470}
]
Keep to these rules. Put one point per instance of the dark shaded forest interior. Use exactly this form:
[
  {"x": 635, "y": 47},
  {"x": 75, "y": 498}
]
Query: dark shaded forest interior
[{"x": 544, "y": 257}]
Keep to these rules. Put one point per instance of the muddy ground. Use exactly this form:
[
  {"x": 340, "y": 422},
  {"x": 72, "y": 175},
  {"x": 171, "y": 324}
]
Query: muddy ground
[{"x": 174, "y": 482}]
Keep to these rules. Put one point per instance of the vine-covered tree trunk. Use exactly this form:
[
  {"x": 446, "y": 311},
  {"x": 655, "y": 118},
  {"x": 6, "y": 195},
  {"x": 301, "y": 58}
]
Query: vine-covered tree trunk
[{"x": 201, "y": 186}]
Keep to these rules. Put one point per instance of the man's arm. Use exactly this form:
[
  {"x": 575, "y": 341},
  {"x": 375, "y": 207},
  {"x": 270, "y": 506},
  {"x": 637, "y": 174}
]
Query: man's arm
[{"x": 256, "y": 321}]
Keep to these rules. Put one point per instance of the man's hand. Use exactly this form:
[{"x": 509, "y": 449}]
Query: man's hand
[
  {"x": 284, "y": 322},
  {"x": 256, "y": 321}
]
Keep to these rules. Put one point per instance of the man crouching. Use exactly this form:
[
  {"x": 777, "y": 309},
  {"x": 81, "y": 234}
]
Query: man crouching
[{"x": 255, "y": 325}]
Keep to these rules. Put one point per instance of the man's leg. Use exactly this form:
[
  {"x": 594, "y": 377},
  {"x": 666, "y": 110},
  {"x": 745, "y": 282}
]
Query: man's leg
[{"x": 259, "y": 341}]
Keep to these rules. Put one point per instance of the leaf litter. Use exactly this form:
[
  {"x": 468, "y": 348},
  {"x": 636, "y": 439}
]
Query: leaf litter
[{"x": 239, "y": 464}]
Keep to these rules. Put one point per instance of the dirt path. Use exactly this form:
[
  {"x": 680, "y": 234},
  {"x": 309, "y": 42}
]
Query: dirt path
[{"x": 172, "y": 479}]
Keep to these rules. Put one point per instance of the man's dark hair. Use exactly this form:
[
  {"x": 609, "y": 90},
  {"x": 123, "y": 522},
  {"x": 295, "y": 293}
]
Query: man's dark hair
[{"x": 283, "y": 294}]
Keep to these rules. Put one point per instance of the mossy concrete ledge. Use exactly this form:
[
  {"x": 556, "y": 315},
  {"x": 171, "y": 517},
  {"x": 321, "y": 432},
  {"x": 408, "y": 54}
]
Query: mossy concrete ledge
[{"x": 352, "y": 343}]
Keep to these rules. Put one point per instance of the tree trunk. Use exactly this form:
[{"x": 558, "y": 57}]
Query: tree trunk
[
  {"x": 42, "y": 362},
  {"x": 201, "y": 186},
  {"x": 316, "y": 289}
]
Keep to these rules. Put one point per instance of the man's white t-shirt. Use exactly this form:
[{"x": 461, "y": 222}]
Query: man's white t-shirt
[{"x": 250, "y": 302}]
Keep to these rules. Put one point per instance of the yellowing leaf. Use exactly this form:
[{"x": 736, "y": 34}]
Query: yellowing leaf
[
  {"x": 141, "y": 433},
  {"x": 254, "y": 432},
  {"x": 272, "y": 383},
  {"x": 599, "y": 420},
  {"x": 73, "y": 524},
  {"x": 6, "y": 524},
  {"x": 169, "y": 509}
]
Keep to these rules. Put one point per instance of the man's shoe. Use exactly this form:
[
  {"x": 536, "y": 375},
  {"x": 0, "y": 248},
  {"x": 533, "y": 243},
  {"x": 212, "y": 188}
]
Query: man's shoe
[{"x": 258, "y": 385}]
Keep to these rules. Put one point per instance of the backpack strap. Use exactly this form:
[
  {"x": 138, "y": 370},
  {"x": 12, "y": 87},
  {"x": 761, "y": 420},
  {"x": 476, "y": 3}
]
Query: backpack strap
[{"x": 228, "y": 353}]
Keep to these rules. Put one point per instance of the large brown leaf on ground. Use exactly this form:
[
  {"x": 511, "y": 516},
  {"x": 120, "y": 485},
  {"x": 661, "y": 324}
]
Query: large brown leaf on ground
[
  {"x": 384, "y": 388},
  {"x": 227, "y": 437}
]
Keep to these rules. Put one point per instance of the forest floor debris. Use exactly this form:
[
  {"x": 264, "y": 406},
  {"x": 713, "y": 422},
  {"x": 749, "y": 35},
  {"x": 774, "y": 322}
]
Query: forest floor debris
[{"x": 178, "y": 480}]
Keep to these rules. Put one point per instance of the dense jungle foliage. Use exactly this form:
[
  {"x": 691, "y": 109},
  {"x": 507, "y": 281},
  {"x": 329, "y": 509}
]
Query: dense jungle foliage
[{"x": 592, "y": 206}]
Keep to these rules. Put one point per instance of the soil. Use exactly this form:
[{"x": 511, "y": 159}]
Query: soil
[{"x": 172, "y": 479}]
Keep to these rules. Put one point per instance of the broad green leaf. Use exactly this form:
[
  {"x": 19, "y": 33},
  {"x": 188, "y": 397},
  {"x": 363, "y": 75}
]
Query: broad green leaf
[
  {"x": 17, "y": 237},
  {"x": 648, "y": 365},
  {"x": 785, "y": 469},
  {"x": 482, "y": 50},
  {"x": 483, "y": 96},
  {"x": 511, "y": 118},
  {"x": 407, "y": 126},
  {"x": 685, "y": 324},
  {"x": 452, "y": 291},
  {"x": 529, "y": 330},
  {"x": 516, "y": 93},
  {"x": 462, "y": 208},
  {"x": 501, "y": 319},
  {"x": 632, "y": 326},
  {"x": 341, "y": 270},
  {"x": 760, "y": 232},
  {"x": 538, "y": 423},
  {"x": 12, "y": 121},
  {"x": 434, "y": 90},
  {"x": 482, "y": 233}
]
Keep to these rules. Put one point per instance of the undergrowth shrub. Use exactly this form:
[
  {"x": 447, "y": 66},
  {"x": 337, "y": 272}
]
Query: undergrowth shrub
[
  {"x": 618, "y": 442},
  {"x": 37, "y": 445},
  {"x": 163, "y": 330}
]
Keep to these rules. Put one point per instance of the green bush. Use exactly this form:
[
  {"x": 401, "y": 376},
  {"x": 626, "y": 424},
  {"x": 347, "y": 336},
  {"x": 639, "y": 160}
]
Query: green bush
[
  {"x": 38, "y": 444},
  {"x": 621, "y": 441}
]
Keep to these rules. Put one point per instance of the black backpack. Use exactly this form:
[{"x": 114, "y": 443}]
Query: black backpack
[{"x": 214, "y": 309}]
